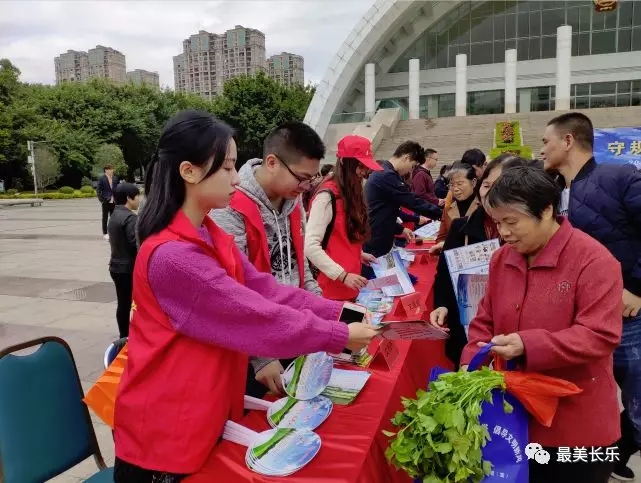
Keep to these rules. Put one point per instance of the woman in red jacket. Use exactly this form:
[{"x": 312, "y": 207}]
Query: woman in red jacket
[
  {"x": 338, "y": 225},
  {"x": 553, "y": 305}
]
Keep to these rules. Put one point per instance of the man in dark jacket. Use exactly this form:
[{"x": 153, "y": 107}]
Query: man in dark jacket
[
  {"x": 422, "y": 181},
  {"x": 122, "y": 238},
  {"x": 105, "y": 191},
  {"x": 442, "y": 185},
  {"x": 386, "y": 193},
  {"x": 604, "y": 201}
]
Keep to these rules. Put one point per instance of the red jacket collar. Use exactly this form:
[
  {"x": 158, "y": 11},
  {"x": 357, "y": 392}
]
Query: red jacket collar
[{"x": 550, "y": 253}]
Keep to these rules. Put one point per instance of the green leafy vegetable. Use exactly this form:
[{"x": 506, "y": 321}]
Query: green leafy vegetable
[{"x": 440, "y": 437}]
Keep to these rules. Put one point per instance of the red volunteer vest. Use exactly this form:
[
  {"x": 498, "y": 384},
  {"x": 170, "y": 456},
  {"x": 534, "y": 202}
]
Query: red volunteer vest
[
  {"x": 176, "y": 393},
  {"x": 340, "y": 249},
  {"x": 257, "y": 246}
]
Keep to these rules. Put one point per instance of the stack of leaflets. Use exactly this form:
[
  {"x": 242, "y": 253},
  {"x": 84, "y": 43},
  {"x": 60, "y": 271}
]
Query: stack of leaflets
[
  {"x": 469, "y": 268},
  {"x": 308, "y": 376},
  {"x": 292, "y": 413},
  {"x": 429, "y": 231},
  {"x": 282, "y": 451},
  {"x": 344, "y": 385},
  {"x": 393, "y": 264},
  {"x": 361, "y": 358}
]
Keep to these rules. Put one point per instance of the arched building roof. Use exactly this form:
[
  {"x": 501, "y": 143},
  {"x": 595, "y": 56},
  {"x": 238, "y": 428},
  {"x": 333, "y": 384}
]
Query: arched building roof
[{"x": 384, "y": 33}]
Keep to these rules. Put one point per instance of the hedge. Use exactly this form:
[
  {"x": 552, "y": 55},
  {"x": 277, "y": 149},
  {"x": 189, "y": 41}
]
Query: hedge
[
  {"x": 522, "y": 151},
  {"x": 49, "y": 196}
]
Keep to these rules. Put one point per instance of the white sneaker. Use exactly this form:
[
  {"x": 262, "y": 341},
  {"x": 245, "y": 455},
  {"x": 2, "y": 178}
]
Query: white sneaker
[{"x": 105, "y": 237}]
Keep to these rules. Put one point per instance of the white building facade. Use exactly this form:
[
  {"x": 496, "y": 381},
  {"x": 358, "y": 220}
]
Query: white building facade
[{"x": 457, "y": 58}]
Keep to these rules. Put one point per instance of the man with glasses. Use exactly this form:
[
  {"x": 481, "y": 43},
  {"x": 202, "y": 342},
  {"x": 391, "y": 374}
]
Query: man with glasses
[{"x": 266, "y": 218}]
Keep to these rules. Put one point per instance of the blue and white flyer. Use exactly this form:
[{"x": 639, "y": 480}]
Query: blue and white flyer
[
  {"x": 292, "y": 413},
  {"x": 308, "y": 376}
]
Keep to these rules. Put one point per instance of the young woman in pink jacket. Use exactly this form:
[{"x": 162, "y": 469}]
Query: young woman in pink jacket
[{"x": 199, "y": 307}]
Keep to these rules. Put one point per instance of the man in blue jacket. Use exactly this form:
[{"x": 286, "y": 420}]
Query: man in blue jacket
[
  {"x": 386, "y": 193},
  {"x": 604, "y": 201}
]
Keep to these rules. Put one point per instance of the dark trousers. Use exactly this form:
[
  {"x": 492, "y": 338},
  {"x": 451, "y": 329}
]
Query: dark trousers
[
  {"x": 627, "y": 445},
  {"x": 107, "y": 210},
  {"x": 571, "y": 472},
  {"x": 627, "y": 373},
  {"x": 127, "y": 473},
  {"x": 124, "y": 288}
]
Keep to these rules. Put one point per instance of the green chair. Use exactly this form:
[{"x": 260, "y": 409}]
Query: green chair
[{"x": 45, "y": 428}]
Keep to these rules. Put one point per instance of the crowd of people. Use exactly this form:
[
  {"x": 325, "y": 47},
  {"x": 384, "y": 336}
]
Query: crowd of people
[{"x": 236, "y": 273}]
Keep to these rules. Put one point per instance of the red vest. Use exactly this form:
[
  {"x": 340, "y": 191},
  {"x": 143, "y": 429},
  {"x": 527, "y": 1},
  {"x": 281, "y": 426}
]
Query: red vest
[
  {"x": 257, "y": 246},
  {"x": 175, "y": 393},
  {"x": 340, "y": 249}
]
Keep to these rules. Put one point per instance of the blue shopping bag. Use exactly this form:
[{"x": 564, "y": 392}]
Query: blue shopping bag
[{"x": 509, "y": 432}]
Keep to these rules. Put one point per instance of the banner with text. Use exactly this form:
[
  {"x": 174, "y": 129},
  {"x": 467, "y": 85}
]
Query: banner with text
[{"x": 618, "y": 145}]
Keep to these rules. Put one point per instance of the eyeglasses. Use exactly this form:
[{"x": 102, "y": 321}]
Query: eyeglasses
[{"x": 303, "y": 183}]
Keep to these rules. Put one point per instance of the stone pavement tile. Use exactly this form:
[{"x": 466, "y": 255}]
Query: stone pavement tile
[
  {"x": 101, "y": 319},
  {"x": 42, "y": 312},
  {"x": 11, "y": 301}
]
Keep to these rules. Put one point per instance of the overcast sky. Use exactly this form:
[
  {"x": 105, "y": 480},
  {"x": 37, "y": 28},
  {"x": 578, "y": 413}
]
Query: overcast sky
[{"x": 150, "y": 33}]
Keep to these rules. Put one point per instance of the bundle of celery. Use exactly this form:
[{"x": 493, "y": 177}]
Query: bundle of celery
[{"x": 440, "y": 437}]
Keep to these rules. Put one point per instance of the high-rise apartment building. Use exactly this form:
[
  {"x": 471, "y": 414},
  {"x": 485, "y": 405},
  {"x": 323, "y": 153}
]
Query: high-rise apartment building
[
  {"x": 208, "y": 60},
  {"x": 72, "y": 66},
  {"x": 179, "y": 73},
  {"x": 141, "y": 76},
  {"x": 286, "y": 68},
  {"x": 107, "y": 63},
  {"x": 99, "y": 63}
]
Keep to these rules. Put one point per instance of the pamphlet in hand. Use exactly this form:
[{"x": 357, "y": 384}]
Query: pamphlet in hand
[
  {"x": 469, "y": 269},
  {"x": 344, "y": 385},
  {"x": 392, "y": 264},
  {"x": 412, "y": 330},
  {"x": 282, "y": 451},
  {"x": 377, "y": 303}
]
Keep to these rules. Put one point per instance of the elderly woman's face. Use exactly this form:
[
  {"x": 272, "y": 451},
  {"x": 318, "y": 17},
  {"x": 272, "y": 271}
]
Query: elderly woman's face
[
  {"x": 461, "y": 187},
  {"x": 522, "y": 231}
]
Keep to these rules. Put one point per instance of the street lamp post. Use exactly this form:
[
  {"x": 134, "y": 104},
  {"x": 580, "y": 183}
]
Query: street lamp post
[{"x": 32, "y": 161}]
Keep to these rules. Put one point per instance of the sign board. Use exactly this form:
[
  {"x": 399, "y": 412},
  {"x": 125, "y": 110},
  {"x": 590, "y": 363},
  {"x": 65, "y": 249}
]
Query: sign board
[{"x": 618, "y": 145}]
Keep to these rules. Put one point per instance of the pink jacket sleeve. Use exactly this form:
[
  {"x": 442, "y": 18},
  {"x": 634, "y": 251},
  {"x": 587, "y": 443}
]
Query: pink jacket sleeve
[
  {"x": 294, "y": 297},
  {"x": 597, "y": 326},
  {"x": 204, "y": 303}
]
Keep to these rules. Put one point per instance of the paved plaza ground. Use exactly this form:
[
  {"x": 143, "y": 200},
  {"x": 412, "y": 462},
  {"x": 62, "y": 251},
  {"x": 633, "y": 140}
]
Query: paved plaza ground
[{"x": 54, "y": 281}]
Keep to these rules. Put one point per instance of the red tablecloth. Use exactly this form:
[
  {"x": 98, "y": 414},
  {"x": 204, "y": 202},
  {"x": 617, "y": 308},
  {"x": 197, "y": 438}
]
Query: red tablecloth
[{"x": 353, "y": 448}]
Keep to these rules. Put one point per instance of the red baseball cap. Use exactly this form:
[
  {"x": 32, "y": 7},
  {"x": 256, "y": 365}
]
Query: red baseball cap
[{"x": 360, "y": 148}]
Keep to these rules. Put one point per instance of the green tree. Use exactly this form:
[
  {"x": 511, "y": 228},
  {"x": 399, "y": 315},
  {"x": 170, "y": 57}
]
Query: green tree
[
  {"x": 109, "y": 154},
  {"x": 254, "y": 105},
  {"x": 9, "y": 80},
  {"x": 12, "y": 154},
  {"x": 76, "y": 120}
]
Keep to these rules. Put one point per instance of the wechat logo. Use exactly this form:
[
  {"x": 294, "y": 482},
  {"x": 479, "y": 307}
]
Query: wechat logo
[{"x": 535, "y": 451}]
